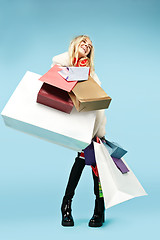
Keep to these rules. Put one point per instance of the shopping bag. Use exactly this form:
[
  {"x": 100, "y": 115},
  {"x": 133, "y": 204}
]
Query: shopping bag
[
  {"x": 75, "y": 73},
  {"x": 90, "y": 159},
  {"x": 55, "y": 98},
  {"x": 120, "y": 165},
  {"x": 89, "y": 155},
  {"x": 53, "y": 78},
  {"x": 114, "y": 149},
  {"x": 116, "y": 187},
  {"x": 89, "y": 96},
  {"x": 22, "y": 112}
]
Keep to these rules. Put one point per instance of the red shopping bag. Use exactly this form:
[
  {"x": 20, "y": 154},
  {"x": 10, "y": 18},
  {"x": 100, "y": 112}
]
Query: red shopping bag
[
  {"x": 53, "y": 78},
  {"x": 55, "y": 98}
]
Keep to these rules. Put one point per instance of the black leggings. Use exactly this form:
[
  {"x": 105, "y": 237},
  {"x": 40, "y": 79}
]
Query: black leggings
[{"x": 74, "y": 177}]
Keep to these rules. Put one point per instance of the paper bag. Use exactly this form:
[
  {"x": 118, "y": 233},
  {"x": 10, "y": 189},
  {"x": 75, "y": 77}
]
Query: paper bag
[
  {"x": 53, "y": 78},
  {"x": 89, "y": 96},
  {"x": 114, "y": 149},
  {"x": 89, "y": 155},
  {"x": 120, "y": 165},
  {"x": 22, "y": 112},
  {"x": 75, "y": 73},
  {"x": 55, "y": 98},
  {"x": 116, "y": 187}
]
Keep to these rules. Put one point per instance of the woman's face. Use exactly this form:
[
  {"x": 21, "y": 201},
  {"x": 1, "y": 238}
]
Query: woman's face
[{"x": 84, "y": 48}]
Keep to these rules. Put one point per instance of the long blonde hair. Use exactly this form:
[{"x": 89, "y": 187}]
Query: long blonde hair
[{"x": 73, "y": 52}]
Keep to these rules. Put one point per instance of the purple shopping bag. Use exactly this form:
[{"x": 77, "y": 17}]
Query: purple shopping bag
[
  {"x": 120, "y": 165},
  {"x": 89, "y": 155}
]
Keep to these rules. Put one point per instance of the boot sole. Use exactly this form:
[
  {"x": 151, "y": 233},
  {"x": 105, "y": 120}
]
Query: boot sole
[
  {"x": 95, "y": 224},
  {"x": 67, "y": 224},
  {"x": 91, "y": 224}
]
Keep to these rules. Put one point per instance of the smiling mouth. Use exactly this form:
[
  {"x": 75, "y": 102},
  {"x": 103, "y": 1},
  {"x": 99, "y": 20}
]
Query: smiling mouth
[{"x": 84, "y": 49}]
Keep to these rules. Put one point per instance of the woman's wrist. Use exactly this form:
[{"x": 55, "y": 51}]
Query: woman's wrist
[{"x": 103, "y": 139}]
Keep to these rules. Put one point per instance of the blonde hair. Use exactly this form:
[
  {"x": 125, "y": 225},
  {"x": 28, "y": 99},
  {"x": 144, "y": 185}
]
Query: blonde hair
[{"x": 73, "y": 52}]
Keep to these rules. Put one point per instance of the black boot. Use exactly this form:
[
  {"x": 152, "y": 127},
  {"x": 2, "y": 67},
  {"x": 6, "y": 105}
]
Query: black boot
[
  {"x": 67, "y": 219},
  {"x": 98, "y": 217}
]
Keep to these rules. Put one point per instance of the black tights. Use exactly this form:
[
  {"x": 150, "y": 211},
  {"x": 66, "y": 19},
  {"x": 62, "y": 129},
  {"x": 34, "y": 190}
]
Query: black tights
[{"x": 74, "y": 177}]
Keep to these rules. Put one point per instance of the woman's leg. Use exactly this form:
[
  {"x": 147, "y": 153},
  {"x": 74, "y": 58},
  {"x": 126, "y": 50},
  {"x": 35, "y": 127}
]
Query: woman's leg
[
  {"x": 74, "y": 177},
  {"x": 75, "y": 174},
  {"x": 98, "y": 216}
]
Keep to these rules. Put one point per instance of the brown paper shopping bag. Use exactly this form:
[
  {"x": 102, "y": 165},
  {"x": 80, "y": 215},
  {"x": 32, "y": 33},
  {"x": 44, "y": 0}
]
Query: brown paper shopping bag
[{"x": 89, "y": 96}]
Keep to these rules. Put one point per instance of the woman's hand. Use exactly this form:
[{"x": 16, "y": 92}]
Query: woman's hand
[{"x": 103, "y": 139}]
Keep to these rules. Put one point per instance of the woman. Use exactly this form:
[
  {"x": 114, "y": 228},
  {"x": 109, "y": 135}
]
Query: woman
[{"x": 80, "y": 54}]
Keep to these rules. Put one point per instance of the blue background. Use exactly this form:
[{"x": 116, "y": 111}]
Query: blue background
[{"x": 34, "y": 173}]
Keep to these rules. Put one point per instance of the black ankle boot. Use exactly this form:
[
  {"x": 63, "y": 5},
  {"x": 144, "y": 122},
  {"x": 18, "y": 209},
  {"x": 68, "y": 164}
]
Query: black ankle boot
[
  {"x": 67, "y": 219},
  {"x": 98, "y": 217}
]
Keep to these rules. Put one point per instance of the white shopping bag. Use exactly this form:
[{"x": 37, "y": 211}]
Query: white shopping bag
[
  {"x": 22, "y": 112},
  {"x": 116, "y": 187},
  {"x": 74, "y": 73}
]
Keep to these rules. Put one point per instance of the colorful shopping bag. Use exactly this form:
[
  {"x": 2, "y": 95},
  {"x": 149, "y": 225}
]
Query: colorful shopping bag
[
  {"x": 75, "y": 73},
  {"x": 55, "y": 98},
  {"x": 114, "y": 149},
  {"x": 89, "y": 155},
  {"x": 52, "y": 77},
  {"x": 116, "y": 187},
  {"x": 22, "y": 112},
  {"x": 89, "y": 96},
  {"x": 120, "y": 165}
]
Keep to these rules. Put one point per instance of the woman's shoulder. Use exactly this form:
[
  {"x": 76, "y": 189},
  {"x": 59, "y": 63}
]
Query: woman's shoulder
[{"x": 62, "y": 59}]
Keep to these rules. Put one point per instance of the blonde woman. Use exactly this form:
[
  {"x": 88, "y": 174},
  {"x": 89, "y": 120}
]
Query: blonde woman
[{"x": 80, "y": 54}]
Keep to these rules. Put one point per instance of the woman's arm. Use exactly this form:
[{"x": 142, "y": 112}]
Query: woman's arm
[{"x": 100, "y": 123}]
